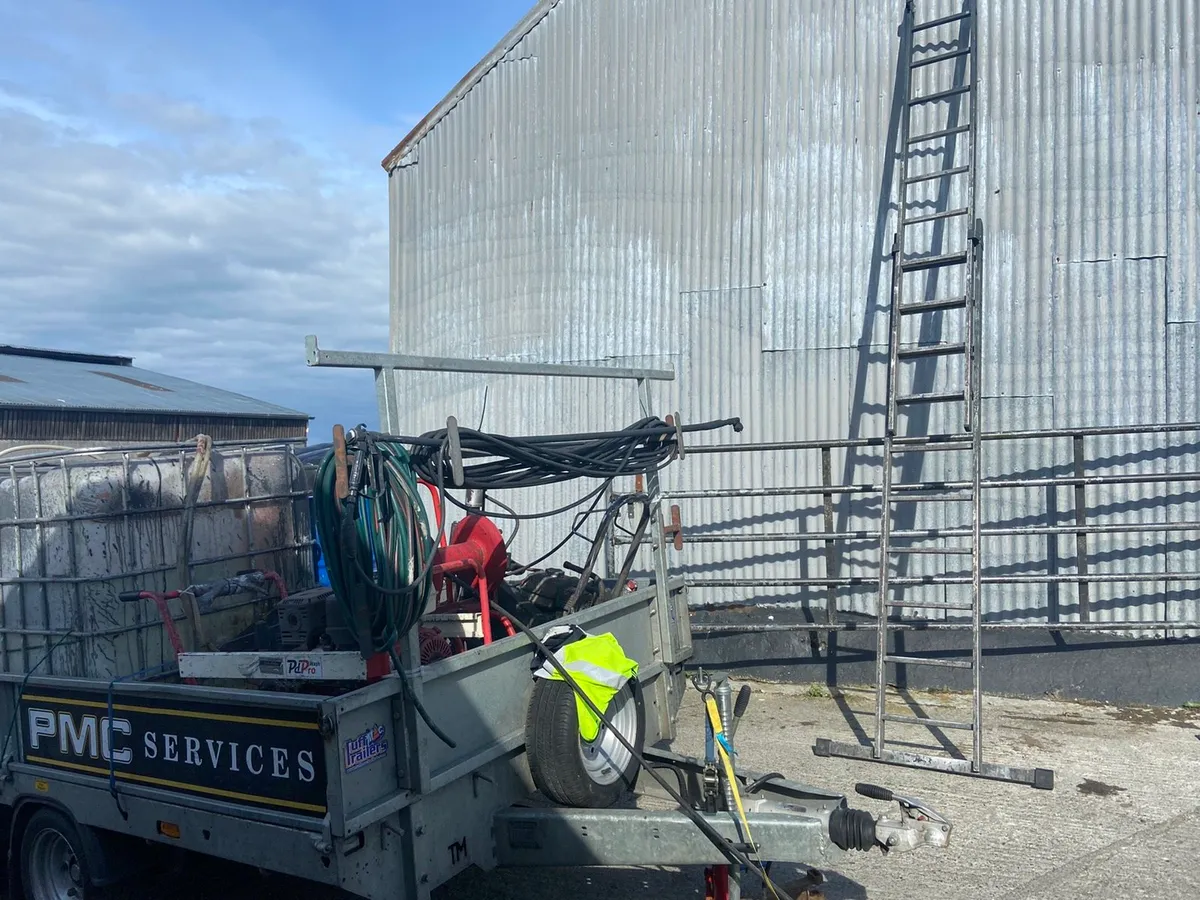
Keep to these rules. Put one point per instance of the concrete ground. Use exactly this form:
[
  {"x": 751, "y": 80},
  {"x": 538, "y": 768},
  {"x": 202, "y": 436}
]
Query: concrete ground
[{"x": 1123, "y": 820}]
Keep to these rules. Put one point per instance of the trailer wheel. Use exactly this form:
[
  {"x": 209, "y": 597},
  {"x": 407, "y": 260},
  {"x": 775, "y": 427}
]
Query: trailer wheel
[
  {"x": 572, "y": 771},
  {"x": 53, "y": 866}
]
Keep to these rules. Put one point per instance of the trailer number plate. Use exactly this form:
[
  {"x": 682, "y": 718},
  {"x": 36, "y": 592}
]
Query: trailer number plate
[{"x": 365, "y": 748}]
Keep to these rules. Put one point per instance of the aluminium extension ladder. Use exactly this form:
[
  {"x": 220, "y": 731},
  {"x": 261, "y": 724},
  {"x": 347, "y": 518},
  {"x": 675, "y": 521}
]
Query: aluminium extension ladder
[{"x": 936, "y": 266}]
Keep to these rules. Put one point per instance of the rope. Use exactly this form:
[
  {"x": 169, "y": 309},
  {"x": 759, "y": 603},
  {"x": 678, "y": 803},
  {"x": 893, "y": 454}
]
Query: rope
[{"x": 195, "y": 479}]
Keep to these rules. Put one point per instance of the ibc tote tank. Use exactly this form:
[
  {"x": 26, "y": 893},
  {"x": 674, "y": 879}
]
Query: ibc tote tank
[{"x": 77, "y": 529}]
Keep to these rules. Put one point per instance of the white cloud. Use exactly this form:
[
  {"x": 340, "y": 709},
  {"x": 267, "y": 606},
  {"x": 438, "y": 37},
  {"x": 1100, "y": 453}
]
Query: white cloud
[{"x": 203, "y": 243}]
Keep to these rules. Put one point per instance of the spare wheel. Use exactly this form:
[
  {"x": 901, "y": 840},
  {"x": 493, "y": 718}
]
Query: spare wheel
[{"x": 570, "y": 770}]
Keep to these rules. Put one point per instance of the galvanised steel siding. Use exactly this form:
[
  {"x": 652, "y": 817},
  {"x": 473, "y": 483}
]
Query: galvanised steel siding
[{"x": 711, "y": 183}]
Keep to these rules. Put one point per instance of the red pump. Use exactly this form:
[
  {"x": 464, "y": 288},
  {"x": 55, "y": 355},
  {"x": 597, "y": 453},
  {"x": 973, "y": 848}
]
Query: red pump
[{"x": 476, "y": 549}]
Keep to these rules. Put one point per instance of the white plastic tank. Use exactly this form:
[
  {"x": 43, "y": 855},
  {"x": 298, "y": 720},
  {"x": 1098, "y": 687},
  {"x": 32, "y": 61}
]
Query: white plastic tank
[{"x": 78, "y": 529}]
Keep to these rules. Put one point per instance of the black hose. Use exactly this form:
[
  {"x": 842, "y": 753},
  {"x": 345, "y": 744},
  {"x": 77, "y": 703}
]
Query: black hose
[
  {"x": 762, "y": 781},
  {"x": 406, "y": 689},
  {"x": 505, "y": 462}
]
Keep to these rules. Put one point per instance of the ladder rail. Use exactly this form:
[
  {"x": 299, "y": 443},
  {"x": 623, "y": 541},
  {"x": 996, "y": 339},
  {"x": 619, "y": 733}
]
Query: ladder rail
[
  {"x": 973, "y": 374},
  {"x": 893, "y": 375},
  {"x": 932, "y": 259},
  {"x": 963, "y": 97}
]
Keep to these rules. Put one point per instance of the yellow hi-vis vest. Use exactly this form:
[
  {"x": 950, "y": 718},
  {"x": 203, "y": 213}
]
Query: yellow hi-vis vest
[{"x": 600, "y": 668}]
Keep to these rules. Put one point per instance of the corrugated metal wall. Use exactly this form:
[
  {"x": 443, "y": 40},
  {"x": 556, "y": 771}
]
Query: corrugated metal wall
[{"x": 711, "y": 183}]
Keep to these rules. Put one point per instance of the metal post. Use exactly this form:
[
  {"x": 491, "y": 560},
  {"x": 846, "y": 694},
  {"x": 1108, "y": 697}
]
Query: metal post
[
  {"x": 610, "y": 547},
  {"x": 42, "y": 569},
  {"x": 975, "y": 404},
  {"x": 1052, "y": 568},
  {"x": 1081, "y": 552},
  {"x": 665, "y": 613},
  {"x": 893, "y": 390},
  {"x": 724, "y": 697},
  {"x": 20, "y": 572},
  {"x": 830, "y": 548},
  {"x": 127, "y": 563}
]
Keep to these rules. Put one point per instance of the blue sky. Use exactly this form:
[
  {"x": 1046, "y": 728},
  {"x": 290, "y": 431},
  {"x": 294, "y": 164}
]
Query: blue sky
[{"x": 198, "y": 185}]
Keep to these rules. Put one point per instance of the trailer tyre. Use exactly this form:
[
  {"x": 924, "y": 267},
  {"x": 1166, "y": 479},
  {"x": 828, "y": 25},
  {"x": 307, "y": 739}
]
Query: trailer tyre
[
  {"x": 53, "y": 865},
  {"x": 572, "y": 771}
]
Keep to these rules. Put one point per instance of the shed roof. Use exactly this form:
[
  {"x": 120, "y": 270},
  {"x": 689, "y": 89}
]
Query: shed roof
[
  {"x": 472, "y": 78},
  {"x": 50, "y": 379}
]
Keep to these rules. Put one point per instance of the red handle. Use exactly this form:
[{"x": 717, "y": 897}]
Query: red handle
[{"x": 439, "y": 511}]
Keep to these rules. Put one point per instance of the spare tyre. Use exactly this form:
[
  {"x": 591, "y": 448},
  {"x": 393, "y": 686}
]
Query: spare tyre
[{"x": 574, "y": 772}]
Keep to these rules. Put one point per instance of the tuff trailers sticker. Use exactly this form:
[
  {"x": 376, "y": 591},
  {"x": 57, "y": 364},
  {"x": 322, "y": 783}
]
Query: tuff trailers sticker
[
  {"x": 365, "y": 748},
  {"x": 264, "y": 757}
]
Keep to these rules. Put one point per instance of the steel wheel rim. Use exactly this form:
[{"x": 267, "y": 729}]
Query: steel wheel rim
[
  {"x": 605, "y": 758},
  {"x": 54, "y": 871}
]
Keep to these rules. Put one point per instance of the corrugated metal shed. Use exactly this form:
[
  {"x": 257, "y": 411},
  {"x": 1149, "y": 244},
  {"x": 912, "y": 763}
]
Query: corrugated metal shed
[
  {"x": 48, "y": 395},
  {"x": 712, "y": 183}
]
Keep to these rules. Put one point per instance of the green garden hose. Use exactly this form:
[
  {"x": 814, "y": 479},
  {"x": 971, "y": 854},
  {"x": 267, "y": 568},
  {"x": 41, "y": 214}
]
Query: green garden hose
[
  {"x": 378, "y": 548},
  {"x": 377, "y": 543}
]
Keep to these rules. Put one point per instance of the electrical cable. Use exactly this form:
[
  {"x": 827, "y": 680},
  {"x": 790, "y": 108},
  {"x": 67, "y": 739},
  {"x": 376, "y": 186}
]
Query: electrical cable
[
  {"x": 506, "y": 462},
  {"x": 580, "y": 519},
  {"x": 574, "y": 504},
  {"x": 12, "y": 724},
  {"x": 594, "y": 496},
  {"x": 407, "y": 691},
  {"x": 512, "y": 514}
]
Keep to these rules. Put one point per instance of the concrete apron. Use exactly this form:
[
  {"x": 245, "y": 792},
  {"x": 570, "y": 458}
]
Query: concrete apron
[{"x": 1112, "y": 667}]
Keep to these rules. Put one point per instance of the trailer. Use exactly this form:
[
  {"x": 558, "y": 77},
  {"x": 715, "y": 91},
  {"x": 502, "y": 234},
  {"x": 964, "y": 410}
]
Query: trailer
[{"x": 341, "y": 780}]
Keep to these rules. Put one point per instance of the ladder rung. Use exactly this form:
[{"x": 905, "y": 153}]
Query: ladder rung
[
  {"x": 933, "y": 397},
  {"x": 930, "y": 176},
  {"x": 915, "y": 309},
  {"x": 929, "y": 448},
  {"x": 939, "y": 95},
  {"x": 920, "y": 263},
  {"x": 927, "y": 604},
  {"x": 933, "y": 217},
  {"x": 941, "y": 57},
  {"x": 923, "y": 350},
  {"x": 940, "y": 497},
  {"x": 929, "y": 661},
  {"x": 934, "y": 135},
  {"x": 933, "y": 723},
  {"x": 944, "y": 20},
  {"x": 931, "y": 551}
]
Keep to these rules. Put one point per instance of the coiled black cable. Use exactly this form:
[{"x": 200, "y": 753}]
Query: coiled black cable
[{"x": 505, "y": 463}]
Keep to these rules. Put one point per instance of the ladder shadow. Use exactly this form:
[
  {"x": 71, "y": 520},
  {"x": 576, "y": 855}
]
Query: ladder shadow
[
  {"x": 946, "y": 745},
  {"x": 925, "y": 371}
]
